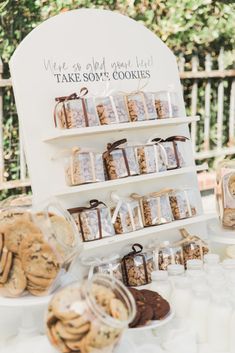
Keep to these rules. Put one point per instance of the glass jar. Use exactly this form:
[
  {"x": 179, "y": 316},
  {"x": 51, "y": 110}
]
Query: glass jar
[
  {"x": 181, "y": 297},
  {"x": 161, "y": 284},
  {"x": 38, "y": 245},
  {"x": 225, "y": 192},
  {"x": 198, "y": 311},
  {"x": 89, "y": 316},
  {"x": 137, "y": 266},
  {"x": 219, "y": 318},
  {"x": 175, "y": 271}
]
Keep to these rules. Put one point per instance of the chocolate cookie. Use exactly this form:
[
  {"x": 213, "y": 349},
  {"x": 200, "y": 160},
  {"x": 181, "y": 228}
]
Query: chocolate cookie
[
  {"x": 16, "y": 282},
  {"x": 159, "y": 305},
  {"x": 146, "y": 314}
]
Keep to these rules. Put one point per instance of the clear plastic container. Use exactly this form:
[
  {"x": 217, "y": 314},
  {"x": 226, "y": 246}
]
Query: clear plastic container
[
  {"x": 89, "y": 316},
  {"x": 137, "y": 266},
  {"x": 75, "y": 112},
  {"x": 120, "y": 160},
  {"x": 150, "y": 105},
  {"x": 225, "y": 193},
  {"x": 156, "y": 209},
  {"x": 168, "y": 254},
  {"x": 166, "y": 104},
  {"x": 93, "y": 222},
  {"x": 106, "y": 111},
  {"x": 84, "y": 167},
  {"x": 151, "y": 158},
  {"x": 126, "y": 216},
  {"x": 121, "y": 108},
  {"x": 183, "y": 203},
  {"x": 137, "y": 107},
  {"x": 38, "y": 245},
  {"x": 111, "y": 266}
]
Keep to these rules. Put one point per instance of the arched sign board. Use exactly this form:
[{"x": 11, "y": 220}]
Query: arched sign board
[{"x": 103, "y": 51}]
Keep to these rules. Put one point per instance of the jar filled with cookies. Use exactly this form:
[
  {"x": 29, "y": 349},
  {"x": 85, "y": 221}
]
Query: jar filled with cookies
[
  {"x": 137, "y": 266},
  {"x": 38, "y": 245},
  {"x": 166, "y": 254},
  {"x": 194, "y": 248},
  {"x": 155, "y": 208},
  {"x": 183, "y": 203},
  {"x": 166, "y": 104},
  {"x": 75, "y": 111},
  {"x": 152, "y": 158},
  {"x": 90, "y": 316},
  {"x": 225, "y": 193},
  {"x": 84, "y": 167},
  {"x": 126, "y": 216},
  {"x": 93, "y": 221},
  {"x": 120, "y": 160}
]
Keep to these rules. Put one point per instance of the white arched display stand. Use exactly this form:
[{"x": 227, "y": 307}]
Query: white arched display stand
[{"x": 103, "y": 51}]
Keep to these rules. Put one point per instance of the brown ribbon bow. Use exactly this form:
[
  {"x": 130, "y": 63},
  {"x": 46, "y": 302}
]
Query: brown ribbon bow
[
  {"x": 116, "y": 145},
  {"x": 174, "y": 140},
  {"x": 94, "y": 204},
  {"x": 137, "y": 251},
  {"x": 83, "y": 92}
]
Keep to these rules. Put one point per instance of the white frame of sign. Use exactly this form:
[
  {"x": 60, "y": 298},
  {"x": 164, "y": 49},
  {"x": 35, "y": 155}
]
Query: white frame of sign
[{"x": 56, "y": 59}]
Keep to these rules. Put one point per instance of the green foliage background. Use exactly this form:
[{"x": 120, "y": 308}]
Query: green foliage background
[{"x": 187, "y": 26}]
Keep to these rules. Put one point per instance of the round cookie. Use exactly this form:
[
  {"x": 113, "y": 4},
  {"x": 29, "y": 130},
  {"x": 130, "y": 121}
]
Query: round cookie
[
  {"x": 159, "y": 305},
  {"x": 9, "y": 216},
  {"x": 56, "y": 340},
  {"x": 61, "y": 304},
  {"x": 118, "y": 309},
  {"x": 6, "y": 270},
  {"x": 101, "y": 336},
  {"x": 3, "y": 259},
  {"x": 34, "y": 240},
  {"x": 138, "y": 296},
  {"x": 16, "y": 282},
  {"x": 146, "y": 314},
  {"x": 15, "y": 232},
  {"x": 39, "y": 281},
  {"x": 39, "y": 260},
  {"x": 62, "y": 330}
]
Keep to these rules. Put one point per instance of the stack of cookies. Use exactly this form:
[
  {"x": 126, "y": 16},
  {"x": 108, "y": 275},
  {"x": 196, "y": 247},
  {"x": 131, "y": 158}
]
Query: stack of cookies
[
  {"x": 150, "y": 306},
  {"x": 30, "y": 258},
  {"x": 72, "y": 325}
]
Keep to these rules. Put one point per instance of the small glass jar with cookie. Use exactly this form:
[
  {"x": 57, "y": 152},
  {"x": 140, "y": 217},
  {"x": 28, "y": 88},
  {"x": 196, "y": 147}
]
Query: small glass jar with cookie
[{"x": 90, "y": 317}]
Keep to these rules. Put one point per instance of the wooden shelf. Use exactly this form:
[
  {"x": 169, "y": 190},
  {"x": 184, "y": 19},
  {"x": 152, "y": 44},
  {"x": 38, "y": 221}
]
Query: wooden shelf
[
  {"x": 58, "y": 134},
  {"x": 143, "y": 233},
  {"x": 130, "y": 180}
]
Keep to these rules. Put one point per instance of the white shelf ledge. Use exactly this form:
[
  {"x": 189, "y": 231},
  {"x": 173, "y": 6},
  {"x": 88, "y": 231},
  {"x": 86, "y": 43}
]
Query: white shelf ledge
[
  {"x": 129, "y": 180},
  {"x": 143, "y": 233},
  {"x": 220, "y": 235},
  {"x": 59, "y": 134}
]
